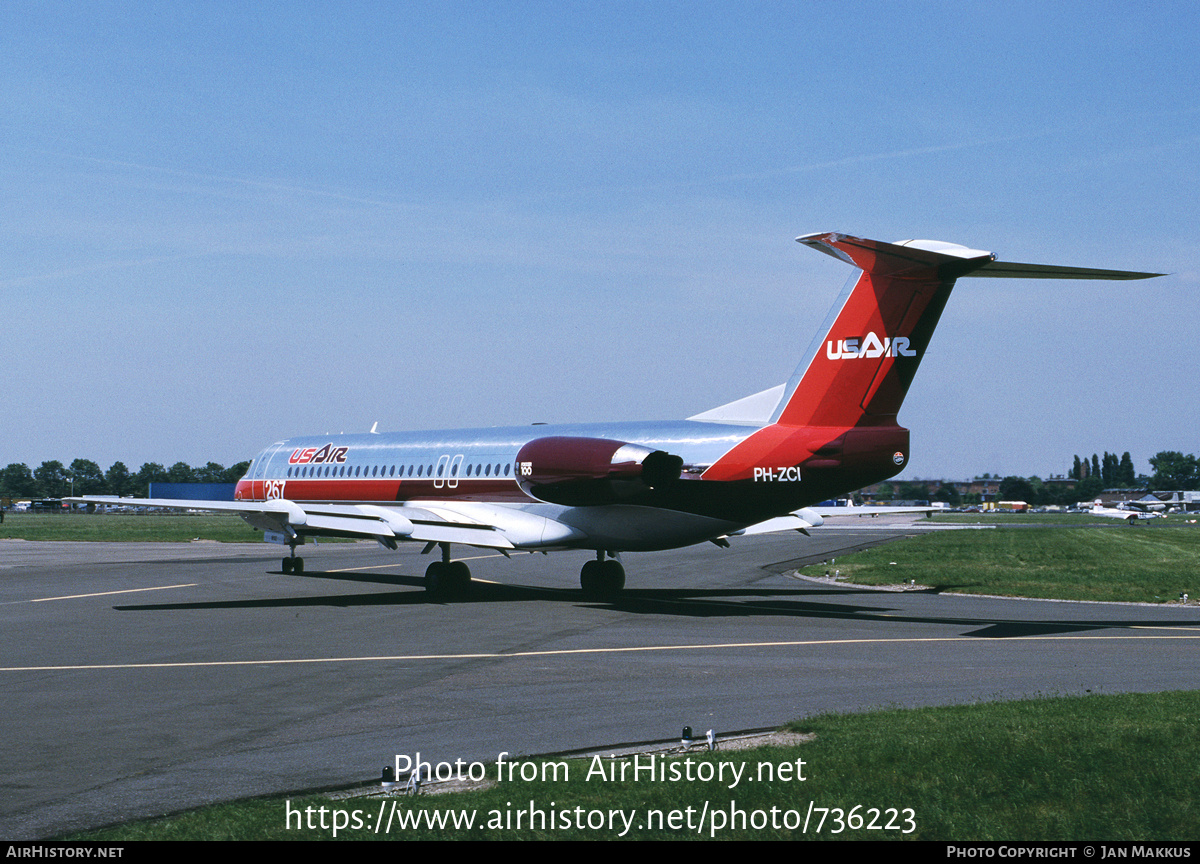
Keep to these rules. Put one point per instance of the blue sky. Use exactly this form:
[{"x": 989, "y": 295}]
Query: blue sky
[{"x": 226, "y": 224}]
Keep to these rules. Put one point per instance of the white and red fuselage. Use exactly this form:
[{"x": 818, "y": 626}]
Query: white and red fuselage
[{"x": 621, "y": 486}]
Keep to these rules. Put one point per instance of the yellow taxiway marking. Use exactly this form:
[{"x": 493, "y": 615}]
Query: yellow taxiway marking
[
  {"x": 391, "y": 658},
  {"x": 107, "y": 593},
  {"x": 352, "y": 569}
]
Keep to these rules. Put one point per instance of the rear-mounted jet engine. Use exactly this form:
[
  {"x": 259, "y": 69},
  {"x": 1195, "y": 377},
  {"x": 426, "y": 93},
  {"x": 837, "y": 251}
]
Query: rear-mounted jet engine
[{"x": 583, "y": 472}]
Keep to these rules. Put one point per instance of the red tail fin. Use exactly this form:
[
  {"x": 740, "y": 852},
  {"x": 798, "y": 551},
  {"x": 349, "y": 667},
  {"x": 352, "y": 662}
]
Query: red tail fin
[
  {"x": 858, "y": 371},
  {"x": 836, "y": 420}
]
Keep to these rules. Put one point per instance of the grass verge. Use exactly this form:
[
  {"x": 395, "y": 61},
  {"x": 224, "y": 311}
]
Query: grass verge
[
  {"x": 1118, "y": 767},
  {"x": 1142, "y": 563},
  {"x": 150, "y": 527}
]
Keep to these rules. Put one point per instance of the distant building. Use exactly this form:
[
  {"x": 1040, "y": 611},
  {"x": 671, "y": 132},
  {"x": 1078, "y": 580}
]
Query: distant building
[{"x": 987, "y": 488}]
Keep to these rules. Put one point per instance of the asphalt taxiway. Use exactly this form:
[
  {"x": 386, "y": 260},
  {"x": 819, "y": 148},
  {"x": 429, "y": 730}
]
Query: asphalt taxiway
[{"x": 149, "y": 678}]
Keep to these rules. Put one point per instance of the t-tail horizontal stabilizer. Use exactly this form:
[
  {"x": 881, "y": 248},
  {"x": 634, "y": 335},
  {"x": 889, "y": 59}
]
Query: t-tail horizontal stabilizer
[{"x": 1010, "y": 270}]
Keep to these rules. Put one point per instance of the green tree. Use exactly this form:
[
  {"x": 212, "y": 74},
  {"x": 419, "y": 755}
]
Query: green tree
[
  {"x": 913, "y": 491},
  {"x": 949, "y": 494},
  {"x": 1125, "y": 475},
  {"x": 181, "y": 472},
  {"x": 88, "y": 478},
  {"x": 1108, "y": 469},
  {"x": 51, "y": 479},
  {"x": 1174, "y": 471},
  {"x": 210, "y": 473},
  {"x": 1041, "y": 495},
  {"x": 150, "y": 472},
  {"x": 17, "y": 481},
  {"x": 120, "y": 481},
  {"x": 236, "y": 472},
  {"x": 1088, "y": 488},
  {"x": 1016, "y": 489}
]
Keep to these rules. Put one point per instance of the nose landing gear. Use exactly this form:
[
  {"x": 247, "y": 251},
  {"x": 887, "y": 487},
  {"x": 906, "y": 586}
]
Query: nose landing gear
[{"x": 292, "y": 564}]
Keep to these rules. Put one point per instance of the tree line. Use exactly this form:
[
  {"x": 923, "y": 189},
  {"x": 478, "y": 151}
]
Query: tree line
[
  {"x": 52, "y": 479},
  {"x": 1110, "y": 471},
  {"x": 1173, "y": 471}
]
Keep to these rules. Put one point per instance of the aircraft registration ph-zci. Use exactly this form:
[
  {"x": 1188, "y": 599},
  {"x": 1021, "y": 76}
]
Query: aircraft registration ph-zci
[{"x": 755, "y": 465}]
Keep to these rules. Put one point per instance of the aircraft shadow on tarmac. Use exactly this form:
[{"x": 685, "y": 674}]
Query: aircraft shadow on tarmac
[{"x": 688, "y": 602}]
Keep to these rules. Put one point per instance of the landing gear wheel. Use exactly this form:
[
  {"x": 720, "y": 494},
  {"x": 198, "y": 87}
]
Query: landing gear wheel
[
  {"x": 447, "y": 579},
  {"x": 287, "y": 565},
  {"x": 298, "y": 566},
  {"x": 612, "y": 577},
  {"x": 435, "y": 579},
  {"x": 589, "y": 579},
  {"x": 602, "y": 580},
  {"x": 459, "y": 576}
]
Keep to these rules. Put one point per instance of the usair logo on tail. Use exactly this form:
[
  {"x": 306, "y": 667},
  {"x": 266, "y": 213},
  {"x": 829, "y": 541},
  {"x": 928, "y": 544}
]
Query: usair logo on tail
[{"x": 848, "y": 349}]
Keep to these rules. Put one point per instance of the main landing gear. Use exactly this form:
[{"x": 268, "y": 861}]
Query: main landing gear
[
  {"x": 447, "y": 578},
  {"x": 601, "y": 579}
]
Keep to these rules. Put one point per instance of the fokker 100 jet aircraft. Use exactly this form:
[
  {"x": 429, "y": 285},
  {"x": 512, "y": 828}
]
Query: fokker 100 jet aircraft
[{"x": 755, "y": 465}]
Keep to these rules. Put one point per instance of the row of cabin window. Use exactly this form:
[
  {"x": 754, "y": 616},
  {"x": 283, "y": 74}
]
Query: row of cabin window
[{"x": 473, "y": 470}]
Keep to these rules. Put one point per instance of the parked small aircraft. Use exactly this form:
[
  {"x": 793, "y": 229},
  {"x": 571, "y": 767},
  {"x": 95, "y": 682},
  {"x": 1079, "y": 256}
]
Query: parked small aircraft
[
  {"x": 1152, "y": 502},
  {"x": 754, "y": 465},
  {"x": 1129, "y": 515}
]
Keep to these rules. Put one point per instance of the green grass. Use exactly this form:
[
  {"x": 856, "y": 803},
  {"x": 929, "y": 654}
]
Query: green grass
[
  {"x": 151, "y": 527},
  {"x": 1144, "y": 563},
  {"x": 1087, "y": 768},
  {"x": 994, "y": 517}
]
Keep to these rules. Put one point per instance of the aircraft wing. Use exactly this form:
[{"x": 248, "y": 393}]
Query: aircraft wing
[
  {"x": 473, "y": 524},
  {"x": 798, "y": 520},
  {"x": 813, "y": 517}
]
